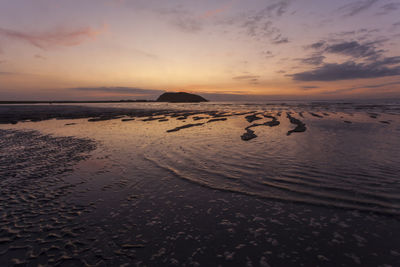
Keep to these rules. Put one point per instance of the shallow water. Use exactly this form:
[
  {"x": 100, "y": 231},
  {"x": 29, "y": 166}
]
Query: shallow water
[
  {"x": 334, "y": 164},
  {"x": 295, "y": 198}
]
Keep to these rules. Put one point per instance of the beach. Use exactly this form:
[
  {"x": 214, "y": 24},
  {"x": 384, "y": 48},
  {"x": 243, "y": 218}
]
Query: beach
[{"x": 211, "y": 184}]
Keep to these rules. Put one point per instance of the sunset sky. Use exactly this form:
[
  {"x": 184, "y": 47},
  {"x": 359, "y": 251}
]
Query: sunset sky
[{"x": 222, "y": 49}]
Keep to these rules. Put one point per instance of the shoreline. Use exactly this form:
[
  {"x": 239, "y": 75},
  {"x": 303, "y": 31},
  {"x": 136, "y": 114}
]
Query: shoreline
[{"x": 73, "y": 102}]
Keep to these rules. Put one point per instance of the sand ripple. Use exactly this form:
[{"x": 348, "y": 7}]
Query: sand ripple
[{"x": 37, "y": 225}]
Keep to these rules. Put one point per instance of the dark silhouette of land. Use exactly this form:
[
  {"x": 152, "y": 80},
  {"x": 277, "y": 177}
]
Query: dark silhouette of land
[{"x": 180, "y": 97}]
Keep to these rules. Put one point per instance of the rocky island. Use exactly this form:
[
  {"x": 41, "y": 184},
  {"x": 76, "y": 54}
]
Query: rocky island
[{"x": 180, "y": 97}]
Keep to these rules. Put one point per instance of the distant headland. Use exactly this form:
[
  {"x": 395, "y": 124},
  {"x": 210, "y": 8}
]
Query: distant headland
[{"x": 180, "y": 97}]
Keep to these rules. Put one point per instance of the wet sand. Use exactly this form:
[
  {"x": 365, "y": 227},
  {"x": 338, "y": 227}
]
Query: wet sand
[
  {"x": 127, "y": 189},
  {"x": 12, "y": 114}
]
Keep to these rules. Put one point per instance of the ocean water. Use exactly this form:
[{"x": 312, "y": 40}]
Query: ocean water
[{"x": 329, "y": 195}]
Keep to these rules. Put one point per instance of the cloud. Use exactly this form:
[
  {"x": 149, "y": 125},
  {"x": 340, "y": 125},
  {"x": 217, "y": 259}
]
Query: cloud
[
  {"x": 187, "y": 24},
  {"x": 357, "y": 7},
  {"x": 37, "y": 56},
  {"x": 316, "y": 45},
  {"x": 316, "y": 59},
  {"x": 366, "y": 51},
  {"x": 277, "y": 9},
  {"x": 259, "y": 28},
  {"x": 388, "y": 8},
  {"x": 7, "y": 73},
  {"x": 120, "y": 90},
  {"x": 380, "y": 85},
  {"x": 280, "y": 40},
  {"x": 267, "y": 54},
  {"x": 260, "y": 24},
  {"x": 355, "y": 49},
  {"x": 373, "y": 86},
  {"x": 246, "y": 77},
  {"x": 351, "y": 70},
  {"x": 364, "y": 60},
  {"x": 390, "y": 60},
  {"x": 182, "y": 19},
  {"x": 214, "y": 12},
  {"x": 345, "y": 33},
  {"x": 253, "y": 79},
  {"x": 309, "y": 87},
  {"x": 53, "y": 38}
]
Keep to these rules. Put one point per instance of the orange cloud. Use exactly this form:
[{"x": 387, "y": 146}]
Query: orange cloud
[{"x": 54, "y": 38}]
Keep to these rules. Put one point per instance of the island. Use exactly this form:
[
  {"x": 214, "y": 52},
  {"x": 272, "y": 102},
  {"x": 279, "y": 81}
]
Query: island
[{"x": 180, "y": 97}]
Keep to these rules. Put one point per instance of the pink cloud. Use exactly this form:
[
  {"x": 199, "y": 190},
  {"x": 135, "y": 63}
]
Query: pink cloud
[
  {"x": 55, "y": 38},
  {"x": 214, "y": 12}
]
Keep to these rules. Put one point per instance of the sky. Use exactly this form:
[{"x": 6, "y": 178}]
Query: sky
[{"x": 221, "y": 49}]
